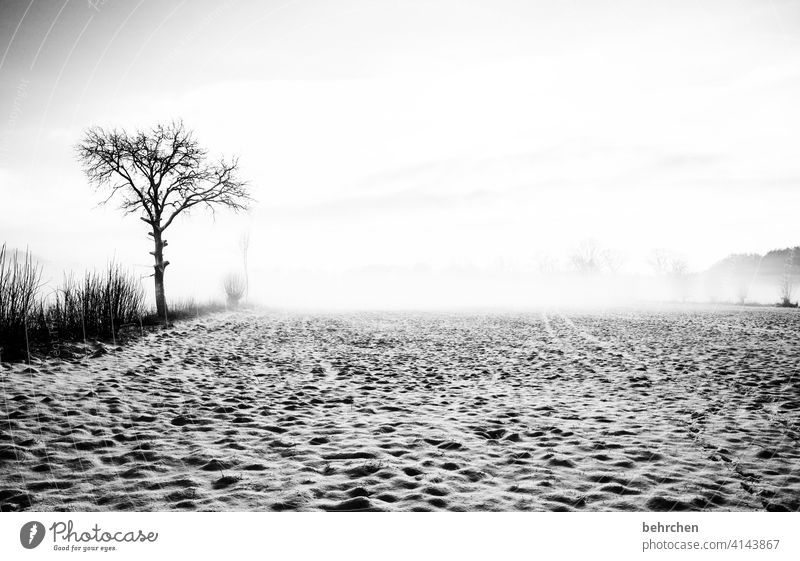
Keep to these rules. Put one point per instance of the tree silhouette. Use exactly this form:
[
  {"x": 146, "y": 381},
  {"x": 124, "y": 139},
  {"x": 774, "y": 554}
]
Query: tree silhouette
[
  {"x": 159, "y": 174},
  {"x": 244, "y": 246},
  {"x": 786, "y": 281},
  {"x": 589, "y": 258}
]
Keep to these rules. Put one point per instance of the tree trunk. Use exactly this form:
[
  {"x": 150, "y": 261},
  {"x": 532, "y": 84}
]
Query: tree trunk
[{"x": 158, "y": 275}]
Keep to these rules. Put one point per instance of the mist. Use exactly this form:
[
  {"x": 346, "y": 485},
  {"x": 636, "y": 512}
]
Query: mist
[{"x": 411, "y": 155}]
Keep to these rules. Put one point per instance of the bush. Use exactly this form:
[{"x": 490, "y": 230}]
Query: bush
[{"x": 235, "y": 287}]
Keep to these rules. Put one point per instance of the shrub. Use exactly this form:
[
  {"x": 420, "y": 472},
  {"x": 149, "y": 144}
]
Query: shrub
[{"x": 235, "y": 287}]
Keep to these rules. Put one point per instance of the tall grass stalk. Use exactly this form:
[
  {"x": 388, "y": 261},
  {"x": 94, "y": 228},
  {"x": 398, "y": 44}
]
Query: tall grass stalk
[
  {"x": 96, "y": 304},
  {"x": 20, "y": 282}
]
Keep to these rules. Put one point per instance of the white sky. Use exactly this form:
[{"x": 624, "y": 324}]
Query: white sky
[{"x": 413, "y": 134}]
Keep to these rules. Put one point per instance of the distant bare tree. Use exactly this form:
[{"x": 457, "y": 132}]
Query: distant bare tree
[
  {"x": 679, "y": 273},
  {"x": 244, "y": 246},
  {"x": 660, "y": 260},
  {"x": 786, "y": 285},
  {"x": 667, "y": 264},
  {"x": 712, "y": 284},
  {"x": 743, "y": 269},
  {"x": 611, "y": 261},
  {"x": 159, "y": 174},
  {"x": 545, "y": 264},
  {"x": 742, "y": 290},
  {"x": 587, "y": 258},
  {"x": 786, "y": 289}
]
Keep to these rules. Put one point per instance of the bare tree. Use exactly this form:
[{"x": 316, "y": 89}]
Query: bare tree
[
  {"x": 786, "y": 281},
  {"x": 712, "y": 283},
  {"x": 244, "y": 246},
  {"x": 159, "y": 174},
  {"x": 679, "y": 273},
  {"x": 743, "y": 269},
  {"x": 545, "y": 264},
  {"x": 672, "y": 268},
  {"x": 612, "y": 261},
  {"x": 587, "y": 258},
  {"x": 660, "y": 260}
]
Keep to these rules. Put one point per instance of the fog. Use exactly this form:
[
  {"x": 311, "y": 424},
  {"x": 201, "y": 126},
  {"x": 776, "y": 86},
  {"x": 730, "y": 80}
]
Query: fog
[{"x": 418, "y": 155}]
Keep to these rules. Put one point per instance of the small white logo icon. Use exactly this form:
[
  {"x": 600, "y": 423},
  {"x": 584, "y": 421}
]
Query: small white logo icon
[{"x": 31, "y": 534}]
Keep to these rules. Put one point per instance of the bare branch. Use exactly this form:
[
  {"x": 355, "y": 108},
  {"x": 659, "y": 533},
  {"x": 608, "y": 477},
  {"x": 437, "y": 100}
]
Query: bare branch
[{"x": 160, "y": 173}]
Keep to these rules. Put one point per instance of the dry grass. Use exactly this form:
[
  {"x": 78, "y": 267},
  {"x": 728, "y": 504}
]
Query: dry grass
[
  {"x": 186, "y": 308},
  {"x": 101, "y": 305},
  {"x": 95, "y": 306},
  {"x": 20, "y": 282}
]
